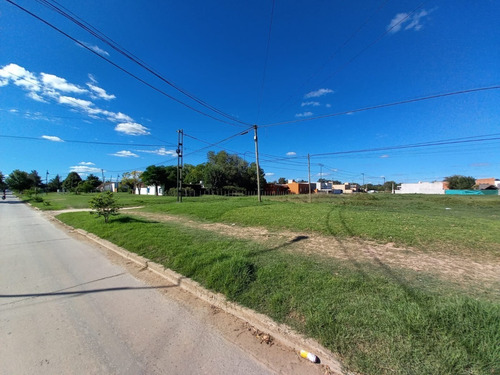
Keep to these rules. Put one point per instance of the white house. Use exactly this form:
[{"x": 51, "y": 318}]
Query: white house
[
  {"x": 421, "y": 188},
  {"x": 148, "y": 190}
]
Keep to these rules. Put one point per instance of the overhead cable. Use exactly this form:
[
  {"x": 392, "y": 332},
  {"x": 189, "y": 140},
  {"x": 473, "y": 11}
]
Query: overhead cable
[
  {"x": 123, "y": 69},
  {"x": 378, "y": 106}
]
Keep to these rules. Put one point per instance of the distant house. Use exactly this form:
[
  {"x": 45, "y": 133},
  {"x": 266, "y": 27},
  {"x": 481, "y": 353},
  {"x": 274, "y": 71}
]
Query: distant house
[
  {"x": 148, "y": 190},
  {"x": 108, "y": 186},
  {"x": 276, "y": 189},
  {"x": 300, "y": 187},
  {"x": 488, "y": 181},
  {"x": 347, "y": 188},
  {"x": 487, "y": 187},
  {"x": 437, "y": 187}
]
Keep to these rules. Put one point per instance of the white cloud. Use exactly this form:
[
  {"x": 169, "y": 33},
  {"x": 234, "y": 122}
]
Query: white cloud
[
  {"x": 125, "y": 154},
  {"x": 52, "y": 138},
  {"x": 304, "y": 114},
  {"x": 52, "y": 82},
  {"x": 384, "y": 156},
  {"x": 162, "y": 151},
  {"x": 20, "y": 77},
  {"x": 84, "y": 169},
  {"x": 100, "y": 93},
  {"x": 270, "y": 174},
  {"x": 86, "y": 163},
  {"x": 118, "y": 116},
  {"x": 53, "y": 88},
  {"x": 33, "y": 95},
  {"x": 410, "y": 22},
  {"x": 82, "y": 104},
  {"x": 328, "y": 105},
  {"x": 415, "y": 21},
  {"x": 94, "y": 48},
  {"x": 317, "y": 93},
  {"x": 314, "y": 104},
  {"x": 13, "y": 110},
  {"x": 291, "y": 153},
  {"x": 131, "y": 128}
]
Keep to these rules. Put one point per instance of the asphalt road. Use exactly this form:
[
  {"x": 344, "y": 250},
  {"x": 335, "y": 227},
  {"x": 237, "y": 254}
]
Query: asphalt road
[{"x": 66, "y": 309}]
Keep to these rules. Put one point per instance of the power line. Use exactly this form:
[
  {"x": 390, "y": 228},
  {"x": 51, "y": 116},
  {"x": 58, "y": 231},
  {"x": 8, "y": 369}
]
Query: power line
[
  {"x": 216, "y": 143},
  {"x": 123, "y": 69},
  {"x": 101, "y": 36},
  {"x": 83, "y": 142},
  {"x": 407, "y": 101}
]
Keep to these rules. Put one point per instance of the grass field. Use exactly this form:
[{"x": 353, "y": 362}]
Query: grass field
[
  {"x": 379, "y": 318},
  {"x": 455, "y": 224}
]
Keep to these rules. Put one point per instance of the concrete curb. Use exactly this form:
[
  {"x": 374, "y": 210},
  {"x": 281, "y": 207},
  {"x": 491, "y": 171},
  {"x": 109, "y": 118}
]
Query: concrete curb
[{"x": 279, "y": 332}]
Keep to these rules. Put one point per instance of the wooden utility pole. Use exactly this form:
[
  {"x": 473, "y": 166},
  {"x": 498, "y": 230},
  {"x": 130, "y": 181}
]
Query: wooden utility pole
[
  {"x": 309, "y": 174},
  {"x": 257, "y": 162},
  {"x": 180, "y": 163}
]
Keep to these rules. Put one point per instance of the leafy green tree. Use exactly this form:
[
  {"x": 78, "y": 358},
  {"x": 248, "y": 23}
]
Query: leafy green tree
[
  {"x": 104, "y": 204},
  {"x": 160, "y": 176},
  {"x": 55, "y": 184},
  {"x": 458, "y": 182},
  {"x": 93, "y": 181},
  {"x": 194, "y": 174},
  {"x": 132, "y": 180},
  {"x": 36, "y": 180},
  {"x": 282, "y": 180},
  {"x": 223, "y": 169},
  {"x": 18, "y": 180},
  {"x": 71, "y": 182}
]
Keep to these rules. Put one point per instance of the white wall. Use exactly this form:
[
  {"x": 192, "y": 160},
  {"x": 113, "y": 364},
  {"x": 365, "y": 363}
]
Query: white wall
[
  {"x": 150, "y": 190},
  {"x": 422, "y": 188}
]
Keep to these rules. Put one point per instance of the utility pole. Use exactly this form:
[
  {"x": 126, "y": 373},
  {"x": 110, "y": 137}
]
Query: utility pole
[
  {"x": 46, "y": 182},
  {"x": 102, "y": 171},
  {"x": 180, "y": 163},
  {"x": 309, "y": 174},
  {"x": 364, "y": 180},
  {"x": 257, "y": 162}
]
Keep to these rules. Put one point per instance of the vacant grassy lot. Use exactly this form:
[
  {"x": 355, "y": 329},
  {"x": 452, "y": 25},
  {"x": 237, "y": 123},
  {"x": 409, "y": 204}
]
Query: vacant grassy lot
[{"x": 379, "y": 318}]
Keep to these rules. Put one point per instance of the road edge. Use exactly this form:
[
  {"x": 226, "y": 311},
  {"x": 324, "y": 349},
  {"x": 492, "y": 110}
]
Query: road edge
[{"x": 280, "y": 332}]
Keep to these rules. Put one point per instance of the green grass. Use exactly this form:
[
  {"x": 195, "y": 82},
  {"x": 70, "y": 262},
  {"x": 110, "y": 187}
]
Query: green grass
[
  {"x": 378, "y": 320},
  {"x": 453, "y": 224},
  {"x": 61, "y": 201}
]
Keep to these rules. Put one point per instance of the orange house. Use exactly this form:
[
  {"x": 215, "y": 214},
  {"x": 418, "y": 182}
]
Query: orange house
[{"x": 300, "y": 187}]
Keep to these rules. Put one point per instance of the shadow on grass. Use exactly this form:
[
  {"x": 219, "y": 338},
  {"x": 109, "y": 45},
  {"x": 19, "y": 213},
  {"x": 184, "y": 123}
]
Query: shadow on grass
[
  {"x": 288, "y": 243},
  {"x": 131, "y": 219}
]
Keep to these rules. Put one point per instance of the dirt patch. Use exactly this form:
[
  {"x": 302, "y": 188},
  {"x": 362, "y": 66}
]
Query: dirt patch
[{"x": 480, "y": 271}]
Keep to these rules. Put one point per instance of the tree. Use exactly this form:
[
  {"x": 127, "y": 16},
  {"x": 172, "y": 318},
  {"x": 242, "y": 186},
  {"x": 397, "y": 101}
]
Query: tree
[
  {"x": 132, "y": 180},
  {"x": 36, "y": 180},
  {"x": 90, "y": 184},
  {"x": 458, "y": 182},
  {"x": 104, "y": 204},
  {"x": 55, "y": 184},
  {"x": 223, "y": 169},
  {"x": 71, "y": 182},
  {"x": 160, "y": 176},
  {"x": 18, "y": 180},
  {"x": 282, "y": 180},
  {"x": 194, "y": 174}
]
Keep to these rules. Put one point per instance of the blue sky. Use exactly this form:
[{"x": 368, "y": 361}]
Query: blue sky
[{"x": 64, "y": 108}]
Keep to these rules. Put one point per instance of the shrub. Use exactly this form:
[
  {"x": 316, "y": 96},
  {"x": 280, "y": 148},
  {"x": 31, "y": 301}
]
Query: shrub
[{"x": 104, "y": 204}]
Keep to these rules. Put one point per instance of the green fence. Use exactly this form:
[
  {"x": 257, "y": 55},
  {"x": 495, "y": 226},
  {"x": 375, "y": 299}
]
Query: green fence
[{"x": 471, "y": 192}]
